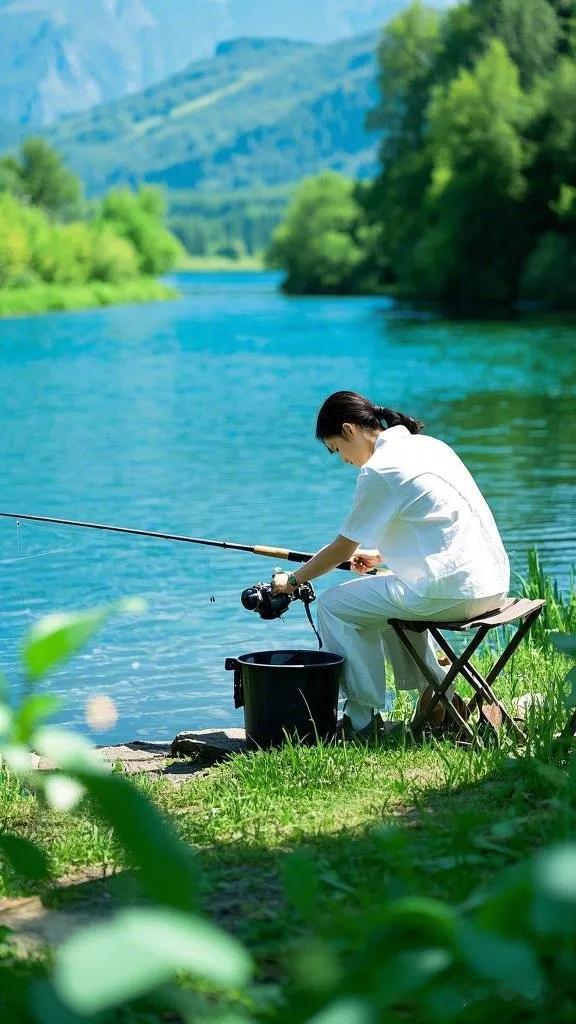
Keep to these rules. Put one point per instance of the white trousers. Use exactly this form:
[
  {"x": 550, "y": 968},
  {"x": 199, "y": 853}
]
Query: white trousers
[{"x": 352, "y": 622}]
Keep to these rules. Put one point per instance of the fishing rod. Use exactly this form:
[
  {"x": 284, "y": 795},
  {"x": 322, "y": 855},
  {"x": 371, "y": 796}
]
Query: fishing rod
[{"x": 256, "y": 549}]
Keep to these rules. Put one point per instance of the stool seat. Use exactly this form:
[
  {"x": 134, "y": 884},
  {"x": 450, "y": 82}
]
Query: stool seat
[
  {"x": 511, "y": 609},
  {"x": 490, "y": 708}
]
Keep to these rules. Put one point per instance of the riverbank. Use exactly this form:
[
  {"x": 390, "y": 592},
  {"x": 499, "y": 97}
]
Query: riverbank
[
  {"x": 300, "y": 851},
  {"x": 47, "y": 298},
  {"x": 297, "y": 792},
  {"x": 209, "y": 263}
]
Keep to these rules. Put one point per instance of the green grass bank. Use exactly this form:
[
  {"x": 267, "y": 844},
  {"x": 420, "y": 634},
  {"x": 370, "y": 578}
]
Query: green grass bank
[
  {"x": 299, "y": 850},
  {"x": 46, "y": 298},
  {"x": 211, "y": 263}
]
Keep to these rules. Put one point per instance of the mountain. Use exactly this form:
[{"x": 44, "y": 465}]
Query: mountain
[
  {"x": 60, "y": 56},
  {"x": 260, "y": 112}
]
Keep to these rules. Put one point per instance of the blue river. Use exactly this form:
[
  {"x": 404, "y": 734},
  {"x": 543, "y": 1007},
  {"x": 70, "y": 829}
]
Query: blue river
[{"x": 196, "y": 416}]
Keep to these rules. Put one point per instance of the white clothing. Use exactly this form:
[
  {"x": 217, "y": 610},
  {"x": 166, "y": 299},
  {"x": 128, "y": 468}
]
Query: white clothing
[
  {"x": 418, "y": 504},
  {"x": 353, "y": 622}
]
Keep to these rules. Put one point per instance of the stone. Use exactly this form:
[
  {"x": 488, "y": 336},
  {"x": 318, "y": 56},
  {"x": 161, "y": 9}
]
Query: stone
[
  {"x": 527, "y": 705},
  {"x": 209, "y": 744},
  {"x": 156, "y": 759}
]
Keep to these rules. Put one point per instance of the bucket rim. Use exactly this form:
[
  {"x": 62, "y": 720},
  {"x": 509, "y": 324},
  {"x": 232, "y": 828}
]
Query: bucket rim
[{"x": 335, "y": 659}]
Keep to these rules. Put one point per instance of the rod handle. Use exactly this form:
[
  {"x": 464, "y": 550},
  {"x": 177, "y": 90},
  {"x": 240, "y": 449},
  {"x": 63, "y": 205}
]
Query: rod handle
[
  {"x": 259, "y": 549},
  {"x": 302, "y": 556}
]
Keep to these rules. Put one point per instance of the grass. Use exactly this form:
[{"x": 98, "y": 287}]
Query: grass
[
  {"x": 436, "y": 821},
  {"x": 209, "y": 263},
  {"x": 559, "y": 612},
  {"x": 254, "y": 805},
  {"x": 45, "y": 298}
]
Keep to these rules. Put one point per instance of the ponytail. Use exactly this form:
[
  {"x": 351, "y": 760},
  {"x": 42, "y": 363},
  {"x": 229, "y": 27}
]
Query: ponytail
[
  {"x": 393, "y": 418},
  {"x": 350, "y": 407}
]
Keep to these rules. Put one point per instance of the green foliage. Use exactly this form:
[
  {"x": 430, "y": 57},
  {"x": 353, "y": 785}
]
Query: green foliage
[
  {"x": 320, "y": 244},
  {"x": 41, "y": 298},
  {"x": 559, "y": 613},
  {"x": 137, "y": 217},
  {"x": 57, "y": 637},
  {"x": 207, "y": 223},
  {"x": 26, "y": 858},
  {"x": 530, "y": 32},
  {"x": 113, "y": 259},
  {"x": 472, "y": 204},
  {"x": 506, "y": 951},
  {"x": 92, "y": 262},
  {"x": 549, "y": 273},
  {"x": 477, "y": 183},
  {"x": 14, "y": 241},
  {"x": 407, "y": 54},
  {"x": 39, "y": 176},
  {"x": 114, "y": 963}
]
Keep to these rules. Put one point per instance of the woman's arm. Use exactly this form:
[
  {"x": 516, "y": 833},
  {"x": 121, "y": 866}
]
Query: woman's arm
[{"x": 339, "y": 550}]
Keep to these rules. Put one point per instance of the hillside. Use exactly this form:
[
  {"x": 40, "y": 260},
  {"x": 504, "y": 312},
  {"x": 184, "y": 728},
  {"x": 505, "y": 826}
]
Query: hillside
[
  {"x": 60, "y": 56},
  {"x": 261, "y": 112}
]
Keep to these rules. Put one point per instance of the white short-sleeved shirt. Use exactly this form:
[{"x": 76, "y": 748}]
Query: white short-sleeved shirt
[{"x": 417, "y": 503}]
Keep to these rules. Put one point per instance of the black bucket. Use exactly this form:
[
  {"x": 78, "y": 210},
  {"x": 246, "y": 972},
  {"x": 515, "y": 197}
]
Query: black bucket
[{"x": 287, "y": 694}]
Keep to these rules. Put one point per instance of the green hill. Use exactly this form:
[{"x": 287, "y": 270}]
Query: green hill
[{"x": 260, "y": 112}]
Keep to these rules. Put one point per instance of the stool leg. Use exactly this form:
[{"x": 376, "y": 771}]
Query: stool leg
[
  {"x": 458, "y": 668},
  {"x": 443, "y": 643},
  {"x": 439, "y": 689},
  {"x": 482, "y": 688},
  {"x": 509, "y": 651}
]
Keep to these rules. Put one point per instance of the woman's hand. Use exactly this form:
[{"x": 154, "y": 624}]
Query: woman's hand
[
  {"x": 362, "y": 561},
  {"x": 280, "y": 583}
]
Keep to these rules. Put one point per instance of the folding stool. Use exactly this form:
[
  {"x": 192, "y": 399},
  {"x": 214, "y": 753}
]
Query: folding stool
[{"x": 512, "y": 609}]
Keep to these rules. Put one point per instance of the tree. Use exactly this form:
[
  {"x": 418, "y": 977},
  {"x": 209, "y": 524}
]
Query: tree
[
  {"x": 473, "y": 242},
  {"x": 549, "y": 273},
  {"x": 407, "y": 56},
  {"x": 530, "y": 32},
  {"x": 10, "y": 180},
  {"x": 14, "y": 245},
  {"x": 113, "y": 259},
  {"x": 320, "y": 243},
  {"x": 137, "y": 217},
  {"x": 46, "y": 182}
]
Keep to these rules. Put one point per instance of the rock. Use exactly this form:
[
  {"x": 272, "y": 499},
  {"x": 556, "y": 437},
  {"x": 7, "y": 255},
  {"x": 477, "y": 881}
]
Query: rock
[
  {"x": 527, "y": 704},
  {"x": 155, "y": 758},
  {"x": 209, "y": 744}
]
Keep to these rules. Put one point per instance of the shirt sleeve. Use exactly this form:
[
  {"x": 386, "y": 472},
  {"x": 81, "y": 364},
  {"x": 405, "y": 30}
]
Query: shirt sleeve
[{"x": 374, "y": 507}]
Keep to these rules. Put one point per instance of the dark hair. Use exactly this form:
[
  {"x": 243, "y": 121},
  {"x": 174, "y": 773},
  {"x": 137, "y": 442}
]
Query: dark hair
[{"x": 350, "y": 407}]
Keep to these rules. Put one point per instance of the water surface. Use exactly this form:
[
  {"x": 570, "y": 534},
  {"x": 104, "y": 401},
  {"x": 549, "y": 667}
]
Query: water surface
[{"x": 197, "y": 416}]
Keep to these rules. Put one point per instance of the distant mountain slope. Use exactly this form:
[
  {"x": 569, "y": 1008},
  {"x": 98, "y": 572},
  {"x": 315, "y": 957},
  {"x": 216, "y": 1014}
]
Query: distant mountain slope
[
  {"x": 59, "y": 56},
  {"x": 261, "y": 111},
  {"x": 55, "y": 57}
]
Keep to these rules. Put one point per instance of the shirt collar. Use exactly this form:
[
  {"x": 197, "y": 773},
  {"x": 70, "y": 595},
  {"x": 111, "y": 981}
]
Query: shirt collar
[{"x": 390, "y": 434}]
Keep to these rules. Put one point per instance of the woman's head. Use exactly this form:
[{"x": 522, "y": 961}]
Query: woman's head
[{"x": 349, "y": 423}]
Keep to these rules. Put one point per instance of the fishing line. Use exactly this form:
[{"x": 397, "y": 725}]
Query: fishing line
[
  {"x": 70, "y": 545},
  {"x": 270, "y": 552},
  {"x": 19, "y": 558},
  {"x": 255, "y": 549}
]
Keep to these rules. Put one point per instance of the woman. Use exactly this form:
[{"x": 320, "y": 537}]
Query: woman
[{"x": 420, "y": 510}]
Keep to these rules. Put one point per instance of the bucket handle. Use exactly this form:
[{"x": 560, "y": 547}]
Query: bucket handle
[{"x": 229, "y": 664}]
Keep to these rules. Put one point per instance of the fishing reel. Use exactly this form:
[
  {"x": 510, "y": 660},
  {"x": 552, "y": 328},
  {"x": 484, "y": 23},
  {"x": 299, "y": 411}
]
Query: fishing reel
[{"x": 262, "y": 599}]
